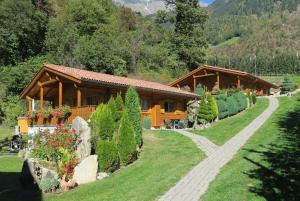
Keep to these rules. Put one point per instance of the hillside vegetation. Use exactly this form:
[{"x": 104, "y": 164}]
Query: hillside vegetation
[{"x": 269, "y": 39}]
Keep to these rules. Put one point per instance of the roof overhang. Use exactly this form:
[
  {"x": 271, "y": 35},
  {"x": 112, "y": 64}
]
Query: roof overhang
[{"x": 39, "y": 74}]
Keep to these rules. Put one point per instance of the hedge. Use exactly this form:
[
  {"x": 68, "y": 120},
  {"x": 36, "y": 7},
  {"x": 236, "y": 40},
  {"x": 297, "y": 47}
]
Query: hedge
[{"x": 223, "y": 109}]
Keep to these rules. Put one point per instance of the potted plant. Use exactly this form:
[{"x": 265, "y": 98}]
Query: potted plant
[
  {"x": 47, "y": 114},
  {"x": 58, "y": 113},
  {"x": 32, "y": 115},
  {"x": 66, "y": 111}
]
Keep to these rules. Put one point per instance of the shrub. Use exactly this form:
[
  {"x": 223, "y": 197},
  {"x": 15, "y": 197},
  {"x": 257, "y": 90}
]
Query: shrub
[
  {"x": 48, "y": 185},
  {"x": 287, "y": 85},
  {"x": 213, "y": 104},
  {"x": 205, "y": 111},
  {"x": 147, "y": 122},
  {"x": 223, "y": 109},
  {"x": 58, "y": 148},
  {"x": 119, "y": 106},
  {"x": 232, "y": 105},
  {"x": 254, "y": 99},
  {"x": 108, "y": 156},
  {"x": 241, "y": 100},
  {"x": 132, "y": 103},
  {"x": 126, "y": 141},
  {"x": 199, "y": 89},
  {"x": 103, "y": 123}
]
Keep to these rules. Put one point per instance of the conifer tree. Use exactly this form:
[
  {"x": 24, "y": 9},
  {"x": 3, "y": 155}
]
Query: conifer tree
[
  {"x": 213, "y": 104},
  {"x": 103, "y": 122},
  {"x": 132, "y": 103},
  {"x": 126, "y": 141}
]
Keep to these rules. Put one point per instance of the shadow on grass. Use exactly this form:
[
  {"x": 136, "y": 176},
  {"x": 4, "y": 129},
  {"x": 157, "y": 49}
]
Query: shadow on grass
[
  {"x": 10, "y": 189},
  {"x": 279, "y": 169}
]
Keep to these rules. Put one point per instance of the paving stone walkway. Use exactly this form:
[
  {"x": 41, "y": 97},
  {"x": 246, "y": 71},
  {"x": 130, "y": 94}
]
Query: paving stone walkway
[
  {"x": 193, "y": 185},
  {"x": 202, "y": 142}
]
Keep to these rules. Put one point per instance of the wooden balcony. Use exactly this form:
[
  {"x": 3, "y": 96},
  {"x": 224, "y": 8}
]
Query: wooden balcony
[{"x": 83, "y": 111}]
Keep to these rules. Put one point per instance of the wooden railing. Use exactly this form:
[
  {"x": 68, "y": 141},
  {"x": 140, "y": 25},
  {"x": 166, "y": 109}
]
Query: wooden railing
[{"x": 84, "y": 112}]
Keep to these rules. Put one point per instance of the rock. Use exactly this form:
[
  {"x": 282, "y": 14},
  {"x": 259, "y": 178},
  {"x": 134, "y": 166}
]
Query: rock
[
  {"x": 86, "y": 171},
  {"x": 48, "y": 174},
  {"x": 102, "y": 175},
  {"x": 84, "y": 131},
  {"x": 32, "y": 173}
]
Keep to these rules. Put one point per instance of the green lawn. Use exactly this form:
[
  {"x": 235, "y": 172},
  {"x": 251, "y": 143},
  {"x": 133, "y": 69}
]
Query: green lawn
[
  {"x": 268, "y": 167},
  {"x": 166, "y": 157},
  {"x": 5, "y": 132},
  {"x": 223, "y": 130},
  {"x": 278, "y": 79}
]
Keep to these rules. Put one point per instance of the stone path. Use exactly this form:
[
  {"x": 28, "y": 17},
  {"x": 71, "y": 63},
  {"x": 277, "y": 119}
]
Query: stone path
[
  {"x": 193, "y": 185},
  {"x": 202, "y": 142}
]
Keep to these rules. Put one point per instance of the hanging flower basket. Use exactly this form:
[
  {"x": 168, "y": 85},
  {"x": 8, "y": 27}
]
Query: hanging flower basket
[{"x": 32, "y": 115}]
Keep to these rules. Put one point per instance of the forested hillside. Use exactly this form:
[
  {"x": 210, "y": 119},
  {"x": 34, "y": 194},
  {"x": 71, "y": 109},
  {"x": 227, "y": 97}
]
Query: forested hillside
[
  {"x": 96, "y": 35},
  {"x": 264, "y": 41},
  {"x": 252, "y": 7}
]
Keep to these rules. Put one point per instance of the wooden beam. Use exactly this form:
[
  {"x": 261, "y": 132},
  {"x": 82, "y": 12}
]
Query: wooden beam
[
  {"x": 206, "y": 75},
  {"x": 195, "y": 84},
  {"x": 218, "y": 80},
  {"x": 41, "y": 84},
  {"x": 42, "y": 99},
  {"x": 60, "y": 94},
  {"x": 238, "y": 82},
  {"x": 78, "y": 97}
]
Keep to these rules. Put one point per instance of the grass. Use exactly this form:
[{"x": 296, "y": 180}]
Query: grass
[
  {"x": 223, "y": 130},
  {"x": 5, "y": 132},
  {"x": 226, "y": 43},
  {"x": 278, "y": 79},
  {"x": 268, "y": 167},
  {"x": 166, "y": 157}
]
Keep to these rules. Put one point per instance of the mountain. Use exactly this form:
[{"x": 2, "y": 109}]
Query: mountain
[
  {"x": 148, "y": 7},
  {"x": 145, "y": 7},
  {"x": 252, "y": 7}
]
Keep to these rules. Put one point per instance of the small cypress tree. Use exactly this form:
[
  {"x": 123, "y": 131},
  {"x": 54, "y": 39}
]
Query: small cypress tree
[
  {"x": 126, "y": 141},
  {"x": 113, "y": 107},
  {"x": 108, "y": 156},
  {"x": 213, "y": 104},
  {"x": 205, "y": 110},
  {"x": 119, "y": 106},
  {"x": 233, "y": 106},
  {"x": 199, "y": 89},
  {"x": 132, "y": 103},
  {"x": 287, "y": 85},
  {"x": 102, "y": 122}
]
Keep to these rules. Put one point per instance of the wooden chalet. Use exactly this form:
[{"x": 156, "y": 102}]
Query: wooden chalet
[
  {"x": 83, "y": 90},
  {"x": 214, "y": 78}
]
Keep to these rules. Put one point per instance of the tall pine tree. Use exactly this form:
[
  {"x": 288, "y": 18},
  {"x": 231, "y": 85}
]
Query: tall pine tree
[{"x": 189, "y": 41}]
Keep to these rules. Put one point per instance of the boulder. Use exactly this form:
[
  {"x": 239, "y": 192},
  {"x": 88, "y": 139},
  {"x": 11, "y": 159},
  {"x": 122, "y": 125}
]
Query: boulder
[
  {"x": 84, "y": 131},
  {"x": 32, "y": 173},
  {"x": 86, "y": 171}
]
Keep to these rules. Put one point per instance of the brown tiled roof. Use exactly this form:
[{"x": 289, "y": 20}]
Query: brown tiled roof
[{"x": 106, "y": 79}]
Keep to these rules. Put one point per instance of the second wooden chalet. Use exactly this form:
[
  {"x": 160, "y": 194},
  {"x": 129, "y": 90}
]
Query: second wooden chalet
[{"x": 214, "y": 78}]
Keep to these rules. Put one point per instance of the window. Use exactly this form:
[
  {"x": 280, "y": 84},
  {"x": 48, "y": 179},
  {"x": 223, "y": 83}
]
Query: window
[
  {"x": 145, "y": 105},
  {"x": 169, "y": 107},
  {"x": 92, "y": 100}
]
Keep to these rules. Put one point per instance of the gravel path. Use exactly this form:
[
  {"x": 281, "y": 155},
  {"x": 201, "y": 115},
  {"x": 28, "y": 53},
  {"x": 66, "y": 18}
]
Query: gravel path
[{"x": 193, "y": 185}]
